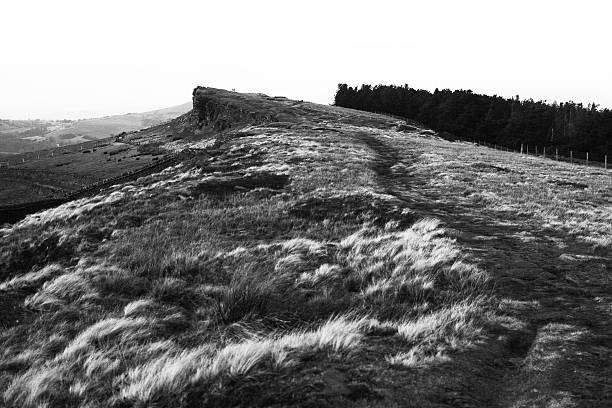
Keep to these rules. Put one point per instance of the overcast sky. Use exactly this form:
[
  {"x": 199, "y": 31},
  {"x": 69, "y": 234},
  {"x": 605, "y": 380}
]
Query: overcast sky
[{"x": 75, "y": 59}]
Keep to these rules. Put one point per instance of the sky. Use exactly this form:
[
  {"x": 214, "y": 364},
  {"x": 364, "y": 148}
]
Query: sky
[{"x": 77, "y": 59}]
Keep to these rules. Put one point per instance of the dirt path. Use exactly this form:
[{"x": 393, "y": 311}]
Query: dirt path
[{"x": 559, "y": 353}]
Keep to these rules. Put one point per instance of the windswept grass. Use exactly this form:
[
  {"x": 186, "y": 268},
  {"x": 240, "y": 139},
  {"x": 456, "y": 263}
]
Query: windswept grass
[
  {"x": 173, "y": 373},
  {"x": 31, "y": 280},
  {"x": 263, "y": 310},
  {"x": 161, "y": 293},
  {"x": 560, "y": 198},
  {"x": 69, "y": 210}
]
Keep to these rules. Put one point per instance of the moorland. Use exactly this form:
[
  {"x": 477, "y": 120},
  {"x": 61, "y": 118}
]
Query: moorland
[{"x": 298, "y": 254}]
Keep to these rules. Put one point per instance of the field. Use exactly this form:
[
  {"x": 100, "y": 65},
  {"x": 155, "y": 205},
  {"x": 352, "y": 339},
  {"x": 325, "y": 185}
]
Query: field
[
  {"x": 43, "y": 176},
  {"x": 57, "y": 172},
  {"x": 97, "y": 128},
  {"x": 20, "y": 136},
  {"x": 313, "y": 256}
]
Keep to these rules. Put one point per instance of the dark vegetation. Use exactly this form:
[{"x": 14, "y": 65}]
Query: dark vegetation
[{"x": 493, "y": 119}]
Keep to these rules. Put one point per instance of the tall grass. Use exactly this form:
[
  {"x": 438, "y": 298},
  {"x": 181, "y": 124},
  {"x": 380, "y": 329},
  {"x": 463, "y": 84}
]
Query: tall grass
[
  {"x": 252, "y": 318},
  {"x": 152, "y": 292}
]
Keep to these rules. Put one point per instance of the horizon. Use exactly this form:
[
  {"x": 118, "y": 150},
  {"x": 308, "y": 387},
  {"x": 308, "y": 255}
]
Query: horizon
[
  {"x": 598, "y": 107},
  {"x": 70, "y": 60},
  {"x": 77, "y": 119}
]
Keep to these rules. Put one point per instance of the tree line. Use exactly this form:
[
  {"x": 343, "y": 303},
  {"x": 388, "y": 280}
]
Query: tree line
[{"x": 493, "y": 119}]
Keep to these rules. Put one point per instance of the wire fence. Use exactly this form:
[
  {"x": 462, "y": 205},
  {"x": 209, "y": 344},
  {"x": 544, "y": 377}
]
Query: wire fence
[
  {"x": 556, "y": 153},
  {"x": 16, "y": 212},
  {"x": 139, "y": 172},
  {"x": 27, "y": 157},
  {"x": 553, "y": 153}
]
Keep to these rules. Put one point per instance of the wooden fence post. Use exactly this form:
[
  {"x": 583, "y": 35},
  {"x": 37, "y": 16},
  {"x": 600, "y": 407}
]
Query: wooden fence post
[
  {"x": 544, "y": 151},
  {"x": 587, "y": 161},
  {"x": 521, "y": 148},
  {"x": 606, "y": 161},
  {"x": 536, "y": 150},
  {"x": 571, "y": 157},
  {"x": 557, "y": 153}
]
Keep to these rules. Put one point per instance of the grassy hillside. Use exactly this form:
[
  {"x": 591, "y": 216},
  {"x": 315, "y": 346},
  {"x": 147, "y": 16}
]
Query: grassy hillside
[
  {"x": 27, "y": 136},
  {"x": 58, "y": 172},
  {"x": 98, "y": 128},
  {"x": 307, "y": 255}
]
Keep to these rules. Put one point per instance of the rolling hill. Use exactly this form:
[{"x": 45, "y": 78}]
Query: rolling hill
[
  {"x": 18, "y": 136},
  {"x": 305, "y": 255}
]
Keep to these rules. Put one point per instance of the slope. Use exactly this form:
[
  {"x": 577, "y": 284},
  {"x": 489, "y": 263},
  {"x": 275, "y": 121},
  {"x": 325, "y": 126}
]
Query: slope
[
  {"x": 27, "y": 136},
  {"x": 98, "y": 128},
  {"x": 307, "y": 255}
]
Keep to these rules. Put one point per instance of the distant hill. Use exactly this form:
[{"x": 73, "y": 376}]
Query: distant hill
[{"x": 18, "y": 136}]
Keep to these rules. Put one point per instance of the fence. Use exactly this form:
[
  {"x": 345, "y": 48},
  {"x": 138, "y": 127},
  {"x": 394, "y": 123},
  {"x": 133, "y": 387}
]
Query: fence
[
  {"x": 553, "y": 153},
  {"x": 546, "y": 152},
  {"x": 139, "y": 172},
  {"x": 54, "y": 152},
  {"x": 14, "y": 213}
]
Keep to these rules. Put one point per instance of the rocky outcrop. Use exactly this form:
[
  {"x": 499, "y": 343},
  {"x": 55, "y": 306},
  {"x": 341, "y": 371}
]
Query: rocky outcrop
[{"x": 218, "y": 110}]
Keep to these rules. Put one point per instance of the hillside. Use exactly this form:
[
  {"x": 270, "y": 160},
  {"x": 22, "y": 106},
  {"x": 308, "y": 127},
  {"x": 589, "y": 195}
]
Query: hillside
[
  {"x": 306, "y": 255},
  {"x": 562, "y": 127},
  {"x": 58, "y": 173},
  {"x": 26, "y": 136},
  {"x": 98, "y": 128}
]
